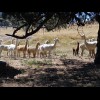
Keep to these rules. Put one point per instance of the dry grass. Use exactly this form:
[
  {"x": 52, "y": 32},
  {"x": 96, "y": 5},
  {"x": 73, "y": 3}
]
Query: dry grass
[{"x": 65, "y": 36}]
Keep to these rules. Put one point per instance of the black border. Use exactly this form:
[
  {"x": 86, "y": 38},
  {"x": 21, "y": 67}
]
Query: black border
[
  {"x": 49, "y": 93},
  {"x": 48, "y": 5}
]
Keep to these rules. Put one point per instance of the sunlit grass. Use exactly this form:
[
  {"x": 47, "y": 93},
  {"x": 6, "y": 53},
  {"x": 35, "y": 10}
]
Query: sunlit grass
[
  {"x": 38, "y": 63},
  {"x": 67, "y": 37}
]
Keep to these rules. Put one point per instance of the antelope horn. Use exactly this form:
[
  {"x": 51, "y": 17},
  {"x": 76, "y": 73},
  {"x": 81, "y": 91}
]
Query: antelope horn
[
  {"x": 81, "y": 34},
  {"x": 78, "y": 32}
]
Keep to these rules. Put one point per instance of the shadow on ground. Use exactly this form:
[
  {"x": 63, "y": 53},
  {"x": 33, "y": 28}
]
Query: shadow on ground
[
  {"x": 7, "y": 71},
  {"x": 75, "y": 74}
]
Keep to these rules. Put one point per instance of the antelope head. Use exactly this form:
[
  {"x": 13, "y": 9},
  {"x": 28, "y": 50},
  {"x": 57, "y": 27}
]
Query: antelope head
[{"x": 56, "y": 39}]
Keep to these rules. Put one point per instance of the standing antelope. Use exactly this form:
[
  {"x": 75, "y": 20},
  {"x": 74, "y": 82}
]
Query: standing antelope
[
  {"x": 90, "y": 46},
  {"x": 33, "y": 50},
  {"x": 22, "y": 48},
  {"x": 76, "y": 50},
  {"x": 48, "y": 47}
]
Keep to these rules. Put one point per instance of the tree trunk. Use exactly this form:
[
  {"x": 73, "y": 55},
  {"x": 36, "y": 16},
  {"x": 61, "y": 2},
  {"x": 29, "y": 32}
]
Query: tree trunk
[{"x": 97, "y": 57}]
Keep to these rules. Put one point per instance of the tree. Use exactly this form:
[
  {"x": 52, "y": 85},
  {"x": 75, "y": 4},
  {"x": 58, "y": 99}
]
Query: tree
[
  {"x": 32, "y": 22},
  {"x": 97, "y": 57}
]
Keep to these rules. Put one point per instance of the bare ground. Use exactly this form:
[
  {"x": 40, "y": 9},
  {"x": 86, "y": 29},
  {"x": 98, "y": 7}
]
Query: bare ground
[{"x": 75, "y": 72}]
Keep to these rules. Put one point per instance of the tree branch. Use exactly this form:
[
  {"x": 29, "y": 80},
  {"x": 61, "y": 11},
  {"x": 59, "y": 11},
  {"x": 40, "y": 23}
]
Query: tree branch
[
  {"x": 17, "y": 29},
  {"x": 48, "y": 16}
]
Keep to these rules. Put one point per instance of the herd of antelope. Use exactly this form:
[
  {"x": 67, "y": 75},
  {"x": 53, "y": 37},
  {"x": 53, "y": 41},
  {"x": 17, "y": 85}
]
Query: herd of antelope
[
  {"x": 45, "y": 49},
  {"x": 15, "y": 49},
  {"x": 89, "y": 45}
]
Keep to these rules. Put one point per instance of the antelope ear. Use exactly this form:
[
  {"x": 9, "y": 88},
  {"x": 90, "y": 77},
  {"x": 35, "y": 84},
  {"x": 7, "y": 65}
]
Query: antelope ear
[
  {"x": 82, "y": 34},
  {"x": 56, "y": 38},
  {"x": 1, "y": 40}
]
